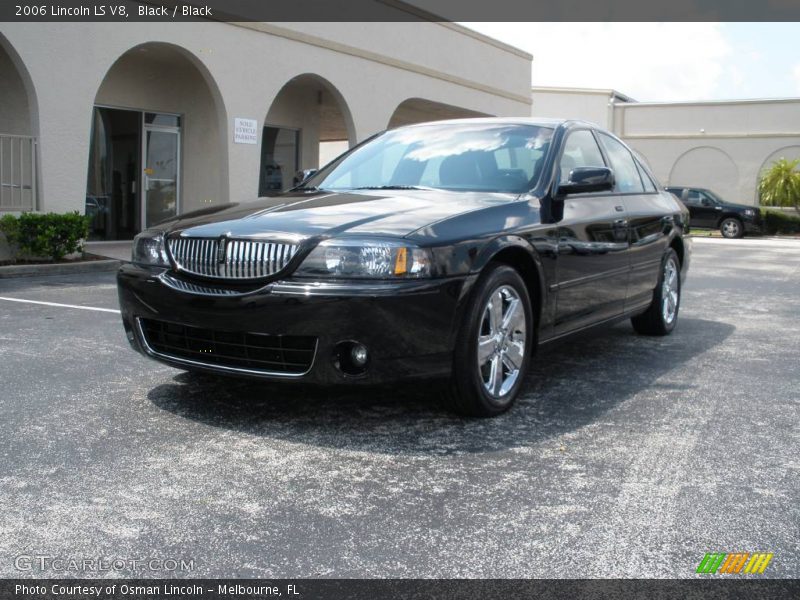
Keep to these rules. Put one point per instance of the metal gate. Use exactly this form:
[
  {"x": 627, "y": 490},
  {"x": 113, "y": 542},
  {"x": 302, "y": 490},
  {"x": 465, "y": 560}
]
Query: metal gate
[{"x": 17, "y": 172}]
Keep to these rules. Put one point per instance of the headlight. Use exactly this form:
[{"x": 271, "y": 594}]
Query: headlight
[
  {"x": 750, "y": 212},
  {"x": 149, "y": 249},
  {"x": 360, "y": 258}
]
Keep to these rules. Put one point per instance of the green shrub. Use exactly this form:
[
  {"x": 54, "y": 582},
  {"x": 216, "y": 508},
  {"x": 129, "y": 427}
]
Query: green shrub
[
  {"x": 776, "y": 221},
  {"x": 50, "y": 235},
  {"x": 780, "y": 184}
]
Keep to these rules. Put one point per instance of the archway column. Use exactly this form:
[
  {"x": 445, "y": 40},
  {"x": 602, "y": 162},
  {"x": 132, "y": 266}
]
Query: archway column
[
  {"x": 243, "y": 159},
  {"x": 370, "y": 117},
  {"x": 63, "y": 148}
]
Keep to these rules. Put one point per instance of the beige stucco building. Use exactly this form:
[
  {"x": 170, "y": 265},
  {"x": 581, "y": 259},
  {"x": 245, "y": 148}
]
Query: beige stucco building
[
  {"x": 135, "y": 122},
  {"x": 721, "y": 145}
]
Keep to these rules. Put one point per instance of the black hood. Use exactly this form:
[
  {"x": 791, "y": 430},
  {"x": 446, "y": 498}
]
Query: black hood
[
  {"x": 326, "y": 214},
  {"x": 738, "y": 206}
]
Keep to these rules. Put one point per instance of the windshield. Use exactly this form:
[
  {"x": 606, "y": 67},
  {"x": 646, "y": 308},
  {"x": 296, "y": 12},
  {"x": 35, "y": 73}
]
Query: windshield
[{"x": 463, "y": 157}]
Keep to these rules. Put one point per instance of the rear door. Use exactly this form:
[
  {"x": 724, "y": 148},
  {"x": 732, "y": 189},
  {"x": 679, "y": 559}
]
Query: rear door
[
  {"x": 649, "y": 221},
  {"x": 592, "y": 247},
  {"x": 702, "y": 209}
]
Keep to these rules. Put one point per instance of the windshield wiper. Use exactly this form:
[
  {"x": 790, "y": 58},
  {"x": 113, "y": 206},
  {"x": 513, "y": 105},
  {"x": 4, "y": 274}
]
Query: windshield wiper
[{"x": 392, "y": 187}]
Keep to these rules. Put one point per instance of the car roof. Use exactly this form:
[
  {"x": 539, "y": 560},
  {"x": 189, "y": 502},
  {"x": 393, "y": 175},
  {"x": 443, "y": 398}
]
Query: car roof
[{"x": 687, "y": 187}]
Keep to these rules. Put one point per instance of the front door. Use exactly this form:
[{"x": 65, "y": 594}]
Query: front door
[
  {"x": 702, "y": 209},
  {"x": 710, "y": 210},
  {"x": 593, "y": 260},
  {"x": 161, "y": 168}
]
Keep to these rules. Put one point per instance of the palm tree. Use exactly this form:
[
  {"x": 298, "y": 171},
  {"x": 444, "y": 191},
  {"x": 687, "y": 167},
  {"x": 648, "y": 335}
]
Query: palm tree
[{"x": 780, "y": 184}]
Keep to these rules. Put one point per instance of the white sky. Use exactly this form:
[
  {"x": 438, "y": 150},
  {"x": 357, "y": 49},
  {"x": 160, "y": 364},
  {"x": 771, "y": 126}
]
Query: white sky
[{"x": 661, "y": 61}]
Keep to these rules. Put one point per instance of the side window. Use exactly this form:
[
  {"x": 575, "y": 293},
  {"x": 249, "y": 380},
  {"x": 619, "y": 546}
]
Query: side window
[
  {"x": 706, "y": 200},
  {"x": 625, "y": 171},
  {"x": 649, "y": 186},
  {"x": 693, "y": 198},
  {"x": 580, "y": 150}
]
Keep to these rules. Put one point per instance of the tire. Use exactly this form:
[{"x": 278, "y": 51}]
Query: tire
[
  {"x": 491, "y": 359},
  {"x": 662, "y": 315},
  {"x": 731, "y": 228}
]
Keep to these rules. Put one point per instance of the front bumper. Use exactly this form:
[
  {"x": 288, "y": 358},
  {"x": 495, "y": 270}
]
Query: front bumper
[
  {"x": 751, "y": 226},
  {"x": 408, "y": 327}
]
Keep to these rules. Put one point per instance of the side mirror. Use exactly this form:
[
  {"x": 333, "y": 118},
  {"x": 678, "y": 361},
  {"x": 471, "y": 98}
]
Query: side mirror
[
  {"x": 587, "y": 179},
  {"x": 303, "y": 174}
]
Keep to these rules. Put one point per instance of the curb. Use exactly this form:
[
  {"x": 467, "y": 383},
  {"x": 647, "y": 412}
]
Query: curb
[{"x": 91, "y": 266}]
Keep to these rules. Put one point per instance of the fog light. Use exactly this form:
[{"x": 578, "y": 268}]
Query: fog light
[
  {"x": 359, "y": 355},
  {"x": 351, "y": 358}
]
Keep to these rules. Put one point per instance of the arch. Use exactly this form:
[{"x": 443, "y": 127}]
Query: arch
[
  {"x": 19, "y": 122},
  {"x": 19, "y": 107},
  {"x": 707, "y": 167},
  {"x": 164, "y": 78},
  {"x": 308, "y": 123},
  {"x": 420, "y": 110}
]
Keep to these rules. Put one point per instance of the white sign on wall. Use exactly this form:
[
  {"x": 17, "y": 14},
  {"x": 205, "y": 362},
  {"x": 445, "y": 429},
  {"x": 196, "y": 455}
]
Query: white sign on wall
[{"x": 245, "y": 131}]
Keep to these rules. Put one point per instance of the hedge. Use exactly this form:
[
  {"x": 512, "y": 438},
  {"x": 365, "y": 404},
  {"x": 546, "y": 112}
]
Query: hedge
[
  {"x": 776, "y": 221},
  {"x": 50, "y": 236}
]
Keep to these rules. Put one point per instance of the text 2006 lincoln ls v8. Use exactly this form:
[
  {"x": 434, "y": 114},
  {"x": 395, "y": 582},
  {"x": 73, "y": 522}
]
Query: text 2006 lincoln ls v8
[{"x": 448, "y": 250}]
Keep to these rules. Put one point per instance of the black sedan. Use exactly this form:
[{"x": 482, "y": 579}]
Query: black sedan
[
  {"x": 707, "y": 210},
  {"x": 447, "y": 250}
]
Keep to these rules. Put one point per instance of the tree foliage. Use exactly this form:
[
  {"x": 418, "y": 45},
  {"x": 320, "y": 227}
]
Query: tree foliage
[{"x": 780, "y": 184}]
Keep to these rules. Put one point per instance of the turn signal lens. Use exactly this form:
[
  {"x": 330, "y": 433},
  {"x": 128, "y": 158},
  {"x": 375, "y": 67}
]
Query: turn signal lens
[{"x": 401, "y": 262}]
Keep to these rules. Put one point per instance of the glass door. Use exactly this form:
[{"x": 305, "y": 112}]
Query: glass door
[
  {"x": 112, "y": 183},
  {"x": 161, "y": 167}
]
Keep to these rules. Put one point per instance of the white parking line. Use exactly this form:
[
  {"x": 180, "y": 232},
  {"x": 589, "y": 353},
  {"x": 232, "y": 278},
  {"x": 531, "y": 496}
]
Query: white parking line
[
  {"x": 750, "y": 242},
  {"x": 110, "y": 310}
]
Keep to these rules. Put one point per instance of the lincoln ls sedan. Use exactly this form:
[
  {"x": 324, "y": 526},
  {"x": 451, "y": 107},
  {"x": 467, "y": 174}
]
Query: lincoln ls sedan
[{"x": 451, "y": 250}]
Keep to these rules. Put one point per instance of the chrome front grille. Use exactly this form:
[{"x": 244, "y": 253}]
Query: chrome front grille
[
  {"x": 194, "y": 288},
  {"x": 223, "y": 258}
]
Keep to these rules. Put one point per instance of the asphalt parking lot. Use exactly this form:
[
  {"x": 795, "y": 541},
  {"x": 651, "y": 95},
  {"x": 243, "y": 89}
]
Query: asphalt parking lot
[{"x": 628, "y": 456}]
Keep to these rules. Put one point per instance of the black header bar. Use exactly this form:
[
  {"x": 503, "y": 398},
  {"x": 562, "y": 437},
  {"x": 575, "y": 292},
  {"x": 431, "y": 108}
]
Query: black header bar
[
  {"x": 398, "y": 10},
  {"x": 390, "y": 589}
]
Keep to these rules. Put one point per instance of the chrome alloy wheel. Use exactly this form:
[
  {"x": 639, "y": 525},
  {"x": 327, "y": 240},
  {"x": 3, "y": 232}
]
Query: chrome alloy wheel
[
  {"x": 730, "y": 228},
  {"x": 669, "y": 291},
  {"x": 502, "y": 339}
]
